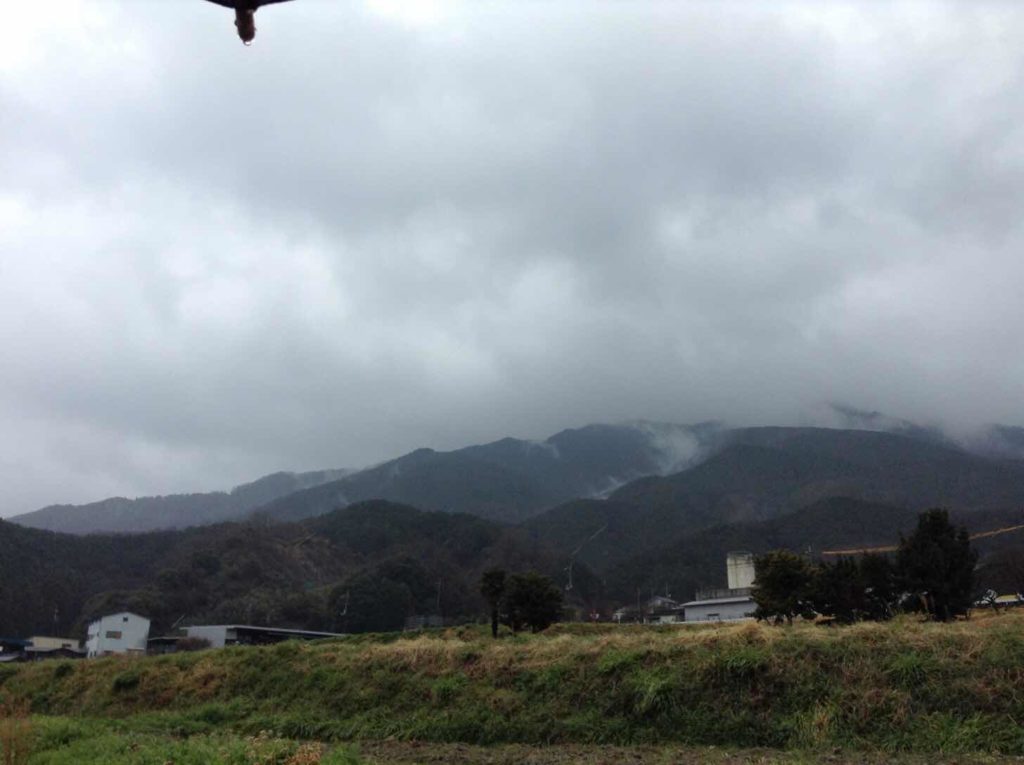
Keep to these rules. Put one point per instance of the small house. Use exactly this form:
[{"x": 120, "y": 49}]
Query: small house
[{"x": 118, "y": 633}]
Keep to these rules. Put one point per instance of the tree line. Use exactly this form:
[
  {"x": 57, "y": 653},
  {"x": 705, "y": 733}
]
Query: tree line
[{"x": 932, "y": 572}]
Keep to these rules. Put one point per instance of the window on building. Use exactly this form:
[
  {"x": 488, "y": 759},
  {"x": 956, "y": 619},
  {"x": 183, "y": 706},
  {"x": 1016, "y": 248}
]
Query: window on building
[{"x": 113, "y": 634}]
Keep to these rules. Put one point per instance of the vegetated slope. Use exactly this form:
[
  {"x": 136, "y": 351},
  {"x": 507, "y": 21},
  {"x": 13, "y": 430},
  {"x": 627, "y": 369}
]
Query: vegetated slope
[
  {"x": 769, "y": 471},
  {"x": 741, "y": 483},
  {"x": 506, "y": 480},
  {"x": 697, "y": 560},
  {"x": 510, "y": 480},
  {"x": 52, "y": 583},
  {"x": 905, "y": 686},
  {"x": 45, "y": 577},
  {"x": 654, "y": 553},
  {"x": 386, "y": 562},
  {"x": 614, "y": 538},
  {"x": 122, "y": 515}
]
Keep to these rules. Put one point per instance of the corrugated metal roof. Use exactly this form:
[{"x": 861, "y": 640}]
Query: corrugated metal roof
[
  {"x": 718, "y": 601},
  {"x": 281, "y": 630}
]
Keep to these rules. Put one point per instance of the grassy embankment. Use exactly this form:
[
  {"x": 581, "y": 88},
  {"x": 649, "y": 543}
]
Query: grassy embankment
[{"x": 899, "y": 687}]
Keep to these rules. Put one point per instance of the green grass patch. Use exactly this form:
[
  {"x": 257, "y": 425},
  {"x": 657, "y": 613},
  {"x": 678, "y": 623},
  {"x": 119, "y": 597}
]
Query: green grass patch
[{"x": 897, "y": 687}]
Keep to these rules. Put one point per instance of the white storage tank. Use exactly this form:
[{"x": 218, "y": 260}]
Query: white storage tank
[{"x": 740, "y": 569}]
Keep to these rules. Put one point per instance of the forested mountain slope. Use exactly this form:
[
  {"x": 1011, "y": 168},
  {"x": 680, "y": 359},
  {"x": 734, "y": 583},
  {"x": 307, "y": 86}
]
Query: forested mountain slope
[
  {"x": 768, "y": 471},
  {"x": 506, "y": 480},
  {"x": 119, "y": 514},
  {"x": 697, "y": 559},
  {"x": 510, "y": 480},
  {"x": 727, "y": 475},
  {"x": 377, "y": 562}
]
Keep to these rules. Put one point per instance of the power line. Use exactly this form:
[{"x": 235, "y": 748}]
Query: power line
[{"x": 893, "y": 548}]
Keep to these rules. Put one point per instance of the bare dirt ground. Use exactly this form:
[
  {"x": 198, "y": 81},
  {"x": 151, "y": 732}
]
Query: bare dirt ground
[{"x": 413, "y": 753}]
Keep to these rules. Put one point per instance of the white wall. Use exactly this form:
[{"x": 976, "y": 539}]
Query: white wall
[
  {"x": 117, "y": 633},
  {"x": 666, "y": 619},
  {"x": 216, "y": 634},
  {"x": 720, "y": 612},
  {"x": 50, "y": 643}
]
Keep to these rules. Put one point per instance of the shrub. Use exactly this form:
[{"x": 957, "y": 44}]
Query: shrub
[
  {"x": 193, "y": 644},
  {"x": 63, "y": 669},
  {"x": 126, "y": 681}
]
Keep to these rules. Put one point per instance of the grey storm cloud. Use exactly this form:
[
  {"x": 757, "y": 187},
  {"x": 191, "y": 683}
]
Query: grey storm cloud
[{"x": 396, "y": 224}]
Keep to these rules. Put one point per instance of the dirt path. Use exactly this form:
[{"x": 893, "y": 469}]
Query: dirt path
[{"x": 413, "y": 753}]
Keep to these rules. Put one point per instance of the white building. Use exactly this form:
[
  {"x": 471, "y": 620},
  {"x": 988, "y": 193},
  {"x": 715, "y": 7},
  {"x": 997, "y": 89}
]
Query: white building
[
  {"x": 41, "y": 643},
  {"x": 117, "y": 633},
  {"x": 729, "y": 604},
  {"x": 720, "y": 609},
  {"x": 43, "y": 647},
  {"x": 660, "y": 609}
]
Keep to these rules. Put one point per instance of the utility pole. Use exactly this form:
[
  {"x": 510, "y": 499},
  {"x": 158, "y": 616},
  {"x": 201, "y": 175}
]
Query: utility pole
[{"x": 343, "y": 614}]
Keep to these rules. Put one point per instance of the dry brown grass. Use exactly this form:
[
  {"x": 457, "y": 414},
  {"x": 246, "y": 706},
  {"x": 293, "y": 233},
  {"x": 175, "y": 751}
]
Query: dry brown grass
[
  {"x": 15, "y": 731},
  {"x": 906, "y": 685}
]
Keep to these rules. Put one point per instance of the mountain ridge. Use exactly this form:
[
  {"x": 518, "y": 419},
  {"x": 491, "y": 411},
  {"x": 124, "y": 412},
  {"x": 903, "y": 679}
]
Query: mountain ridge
[
  {"x": 122, "y": 514},
  {"x": 511, "y": 480}
]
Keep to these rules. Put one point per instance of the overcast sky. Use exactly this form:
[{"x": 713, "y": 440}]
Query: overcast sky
[{"x": 398, "y": 224}]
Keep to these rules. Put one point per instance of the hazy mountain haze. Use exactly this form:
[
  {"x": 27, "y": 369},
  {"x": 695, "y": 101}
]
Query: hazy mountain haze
[
  {"x": 391, "y": 225},
  {"x": 682, "y": 475}
]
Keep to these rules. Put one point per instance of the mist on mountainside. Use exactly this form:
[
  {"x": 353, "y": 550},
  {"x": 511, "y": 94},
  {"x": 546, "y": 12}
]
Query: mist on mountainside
[{"x": 512, "y": 480}]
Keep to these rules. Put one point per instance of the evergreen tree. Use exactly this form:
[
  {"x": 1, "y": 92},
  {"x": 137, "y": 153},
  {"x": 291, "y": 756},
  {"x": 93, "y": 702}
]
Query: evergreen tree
[
  {"x": 936, "y": 563},
  {"x": 838, "y": 590},
  {"x": 532, "y": 600},
  {"x": 782, "y": 586},
  {"x": 880, "y": 589},
  {"x": 854, "y": 589}
]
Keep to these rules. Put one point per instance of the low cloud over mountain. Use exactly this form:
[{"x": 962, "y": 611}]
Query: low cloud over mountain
[{"x": 382, "y": 228}]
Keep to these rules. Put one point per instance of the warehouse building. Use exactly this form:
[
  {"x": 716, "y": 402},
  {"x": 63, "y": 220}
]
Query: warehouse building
[{"x": 731, "y": 603}]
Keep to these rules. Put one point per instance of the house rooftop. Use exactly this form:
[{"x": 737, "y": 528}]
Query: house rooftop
[
  {"x": 119, "y": 613},
  {"x": 258, "y": 628},
  {"x": 719, "y": 601}
]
